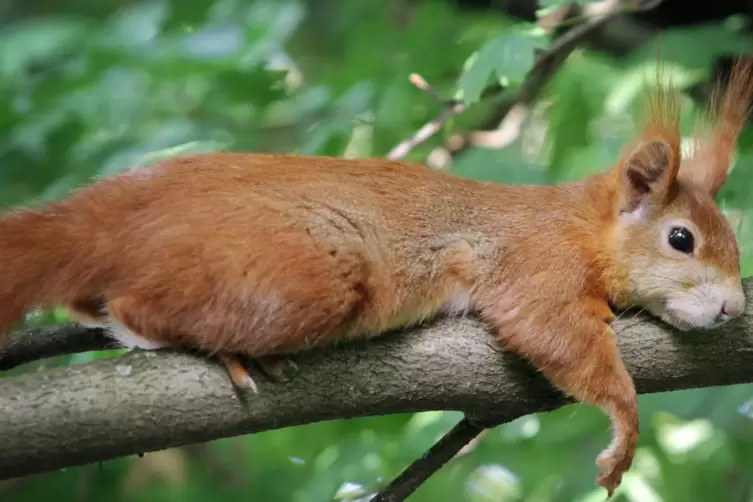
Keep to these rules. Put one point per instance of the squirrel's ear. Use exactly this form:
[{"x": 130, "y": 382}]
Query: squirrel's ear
[{"x": 648, "y": 174}]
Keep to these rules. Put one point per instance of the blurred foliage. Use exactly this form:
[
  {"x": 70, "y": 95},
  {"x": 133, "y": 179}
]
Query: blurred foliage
[{"x": 105, "y": 86}]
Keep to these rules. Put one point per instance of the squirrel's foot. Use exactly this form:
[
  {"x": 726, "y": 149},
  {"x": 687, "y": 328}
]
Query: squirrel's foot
[
  {"x": 239, "y": 374},
  {"x": 613, "y": 465},
  {"x": 272, "y": 366}
]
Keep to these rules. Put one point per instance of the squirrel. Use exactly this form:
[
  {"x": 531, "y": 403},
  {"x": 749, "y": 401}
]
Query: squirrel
[{"x": 250, "y": 256}]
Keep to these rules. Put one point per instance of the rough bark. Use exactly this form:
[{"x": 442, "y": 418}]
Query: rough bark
[{"x": 145, "y": 401}]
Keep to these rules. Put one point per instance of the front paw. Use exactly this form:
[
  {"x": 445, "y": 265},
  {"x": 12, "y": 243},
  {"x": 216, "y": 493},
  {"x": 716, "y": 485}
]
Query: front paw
[{"x": 613, "y": 465}]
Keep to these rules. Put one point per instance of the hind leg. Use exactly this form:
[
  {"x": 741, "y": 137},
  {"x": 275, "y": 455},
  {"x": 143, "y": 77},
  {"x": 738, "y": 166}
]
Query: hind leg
[
  {"x": 125, "y": 330},
  {"x": 132, "y": 329},
  {"x": 122, "y": 327},
  {"x": 270, "y": 313}
]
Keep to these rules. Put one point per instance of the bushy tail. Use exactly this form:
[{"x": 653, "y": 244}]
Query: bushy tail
[{"x": 38, "y": 255}]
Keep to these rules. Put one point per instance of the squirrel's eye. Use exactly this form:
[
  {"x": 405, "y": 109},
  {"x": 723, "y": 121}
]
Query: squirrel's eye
[{"x": 681, "y": 239}]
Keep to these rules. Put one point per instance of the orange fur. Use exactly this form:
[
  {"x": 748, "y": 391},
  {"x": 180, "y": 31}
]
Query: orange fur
[
  {"x": 712, "y": 155},
  {"x": 255, "y": 255}
]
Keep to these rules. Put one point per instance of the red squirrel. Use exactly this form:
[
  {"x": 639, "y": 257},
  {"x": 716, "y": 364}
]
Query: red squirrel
[{"x": 255, "y": 255}]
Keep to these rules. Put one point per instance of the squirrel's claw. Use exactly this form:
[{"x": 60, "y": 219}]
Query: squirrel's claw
[
  {"x": 239, "y": 375},
  {"x": 613, "y": 465},
  {"x": 273, "y": 367}
]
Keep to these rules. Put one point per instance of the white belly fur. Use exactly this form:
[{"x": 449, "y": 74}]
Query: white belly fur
[
  {"x": 458, "y": 304},
  {"x": 124, "y": 336}
]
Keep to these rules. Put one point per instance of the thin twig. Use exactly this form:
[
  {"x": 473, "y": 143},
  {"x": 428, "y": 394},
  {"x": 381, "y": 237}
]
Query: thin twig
[
  {"x": 423, "y": 85},
  {"x": 504, "y": 124},
  {"x": 451, "y": 108},
  {"x": 427, "y": 131},
  {"x": 511, "y": 123},
  {"x": 547, "y": 63},
  {"x": 430, "y": 462}
]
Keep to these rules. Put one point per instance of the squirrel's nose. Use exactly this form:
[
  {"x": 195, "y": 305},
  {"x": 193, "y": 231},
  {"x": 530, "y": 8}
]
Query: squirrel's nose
[
  {"x": 729, "y": 310},
  {"x": 723, "y": 314}
]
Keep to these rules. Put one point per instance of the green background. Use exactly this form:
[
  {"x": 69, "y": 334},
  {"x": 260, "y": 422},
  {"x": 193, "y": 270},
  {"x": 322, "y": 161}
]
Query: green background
[{"x": 91, "y": 88}]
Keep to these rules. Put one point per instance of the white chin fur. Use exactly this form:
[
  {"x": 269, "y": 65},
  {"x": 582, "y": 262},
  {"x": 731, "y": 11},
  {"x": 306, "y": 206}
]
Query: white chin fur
[
  {"x": 699, "y": 307},
  {"x": 681, "y": 324}
]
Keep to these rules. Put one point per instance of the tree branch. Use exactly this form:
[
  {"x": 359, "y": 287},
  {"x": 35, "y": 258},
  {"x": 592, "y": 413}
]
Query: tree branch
[
  {"x": 147, "y": 401},
  {"x": 504, "y": 126},
  {"x": 50, "y": 341},
  {"x": 433, "y": 460}
]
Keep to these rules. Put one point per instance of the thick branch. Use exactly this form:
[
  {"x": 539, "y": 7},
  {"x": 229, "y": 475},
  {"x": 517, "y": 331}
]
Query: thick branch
[{"x": 143, "y": 402}]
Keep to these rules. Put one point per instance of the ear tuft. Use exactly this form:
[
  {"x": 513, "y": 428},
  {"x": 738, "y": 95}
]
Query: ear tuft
[
  {"x": 649, "y": 172},
  {"x": 731, "y": 99}
]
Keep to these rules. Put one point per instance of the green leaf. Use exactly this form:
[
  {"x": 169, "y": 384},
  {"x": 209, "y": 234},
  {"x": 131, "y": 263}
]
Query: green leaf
[
  {"x": 574, "y": 107},
  {"x": 186, "y": 13},
  {"x": 695, "y": 47},
  {"x": 554, "y": 4},
  {"x": 257, "y": 86},
  {"x": 30, "y": 42},
  {"x": 136, "y": 24},
  {"x": 507, "y": 58}
]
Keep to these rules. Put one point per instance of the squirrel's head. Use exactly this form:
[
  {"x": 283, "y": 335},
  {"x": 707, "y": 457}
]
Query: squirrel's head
[{"x": 680, "y": 255}]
